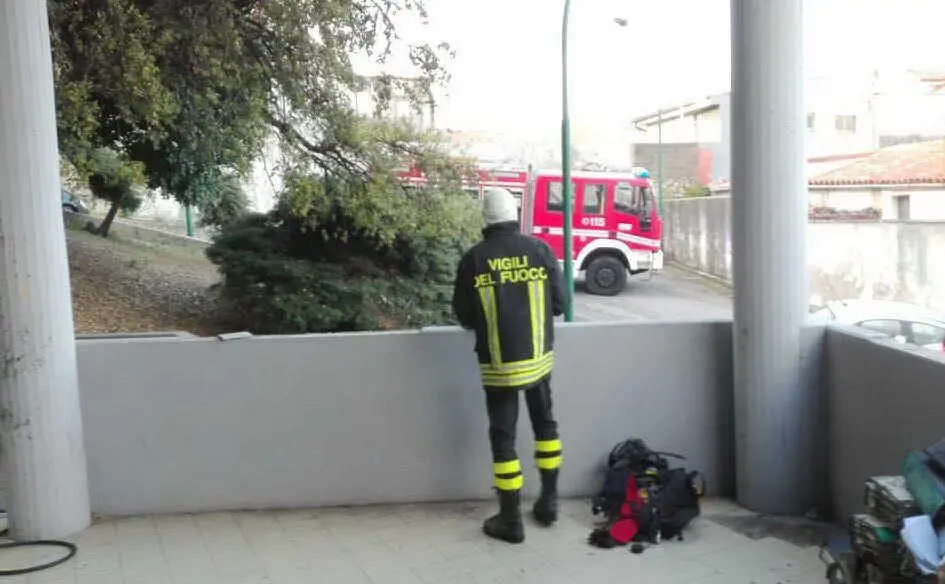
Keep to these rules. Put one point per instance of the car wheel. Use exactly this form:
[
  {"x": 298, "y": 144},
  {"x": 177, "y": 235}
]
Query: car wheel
[{"x": 606, "y": 276}]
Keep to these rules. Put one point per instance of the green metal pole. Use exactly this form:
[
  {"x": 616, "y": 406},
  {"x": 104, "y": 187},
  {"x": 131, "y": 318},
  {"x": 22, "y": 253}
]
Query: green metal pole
[
  {"x": 566, "y": 170},
  {"x": 188, "y": 219},
  {"x": 659, "y": 163}
]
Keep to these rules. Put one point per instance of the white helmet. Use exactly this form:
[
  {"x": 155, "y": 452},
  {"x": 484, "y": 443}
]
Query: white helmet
[{"x": 499, "y": 206}]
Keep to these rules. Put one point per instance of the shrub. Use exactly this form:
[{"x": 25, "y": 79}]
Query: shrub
[{"x": 337, "y": 255}]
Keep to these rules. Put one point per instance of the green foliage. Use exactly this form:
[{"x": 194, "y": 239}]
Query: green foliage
[
  {"x": 223, "y": 201},
  {"x": 114, "y": 179},
  {"x": 191, "y": 89},
  {"x": 696, "y": 190},
  {"x": 109, "y": 88},
  {"x": 342, "y": 253}
]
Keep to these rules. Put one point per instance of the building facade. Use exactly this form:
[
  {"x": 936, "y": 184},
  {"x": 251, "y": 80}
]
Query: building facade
[{"x": 845, "y": 115}]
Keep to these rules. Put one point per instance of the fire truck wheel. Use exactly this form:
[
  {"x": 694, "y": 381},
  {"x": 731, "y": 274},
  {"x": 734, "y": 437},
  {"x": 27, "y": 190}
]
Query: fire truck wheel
[{"x": 606, "y": 276}]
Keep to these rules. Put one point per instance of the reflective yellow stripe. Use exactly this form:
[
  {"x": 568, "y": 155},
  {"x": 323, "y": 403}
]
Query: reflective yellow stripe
[
  {"x": 516, "y": 366},
  {"x": 514, "y": 484},
  {"x": 510, "y": 378},
  {"x": 512, "y": 466},
  {"x": 540, "y": 287},
  {"x": 508, "y": 475},
  {"x": 517, "y": 379},
  {"x": 548, "y": 463},
  {"x": 548, "y": 445},
  {"x": 489, "y": 310},
  {"x": 533, "y": 315}
]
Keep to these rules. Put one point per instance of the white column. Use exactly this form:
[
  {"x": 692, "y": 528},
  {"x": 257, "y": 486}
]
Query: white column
[
  {"x": 774, "y": 399},
  {"x": 41, "y": 444}
]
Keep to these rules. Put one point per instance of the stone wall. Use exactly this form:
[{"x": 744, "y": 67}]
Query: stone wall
[{"x": 879, "y": 260}]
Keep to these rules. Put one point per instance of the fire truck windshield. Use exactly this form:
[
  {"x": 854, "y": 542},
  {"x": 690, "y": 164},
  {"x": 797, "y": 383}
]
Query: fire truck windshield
[{"x": 635, "y": 200}]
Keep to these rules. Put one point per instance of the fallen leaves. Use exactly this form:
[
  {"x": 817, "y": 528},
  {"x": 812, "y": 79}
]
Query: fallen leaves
[{"x": 122, "y": 285}]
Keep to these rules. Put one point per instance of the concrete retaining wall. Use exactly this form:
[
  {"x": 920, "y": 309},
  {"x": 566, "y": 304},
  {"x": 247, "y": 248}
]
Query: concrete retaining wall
[
  {"x": 697, "y": 233},
  {"x": 176, "y": 425},
  {"x": 884, "y": 399},
  {"x": 136, "y": 231},
  {"x": 870, "y": 260},
  {"x": 180, "y": 425}
]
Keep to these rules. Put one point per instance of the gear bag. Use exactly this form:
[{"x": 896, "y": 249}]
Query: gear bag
[
  {"x": 643, "y": 499},
  {"x": 926, "y": 484}
]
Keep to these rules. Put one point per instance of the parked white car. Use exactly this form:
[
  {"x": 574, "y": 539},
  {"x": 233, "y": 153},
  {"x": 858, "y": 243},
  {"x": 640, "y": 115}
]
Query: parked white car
[{"x": 901, "y": 321}]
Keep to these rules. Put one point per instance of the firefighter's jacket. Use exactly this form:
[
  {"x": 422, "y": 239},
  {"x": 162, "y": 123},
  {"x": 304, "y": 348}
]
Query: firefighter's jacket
[{"x": 508, "y": 290}]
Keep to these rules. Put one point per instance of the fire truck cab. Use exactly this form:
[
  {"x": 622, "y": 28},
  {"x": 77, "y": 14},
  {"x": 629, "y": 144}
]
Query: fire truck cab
[
  {"x": 511, "y": 178},
  {"x": 616, "y": 230}
]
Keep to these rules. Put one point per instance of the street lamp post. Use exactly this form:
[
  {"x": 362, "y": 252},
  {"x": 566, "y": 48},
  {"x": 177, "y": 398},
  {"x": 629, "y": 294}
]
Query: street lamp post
[
  {"x": 566, "y": 170},
  {"x": 566, "y": 186},
  {"x": 659, "y": 163},
  {"x": 188, "y": 221}
]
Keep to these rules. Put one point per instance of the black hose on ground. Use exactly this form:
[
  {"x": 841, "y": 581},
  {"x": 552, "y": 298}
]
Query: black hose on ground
[{"x": 71, "y": 551}]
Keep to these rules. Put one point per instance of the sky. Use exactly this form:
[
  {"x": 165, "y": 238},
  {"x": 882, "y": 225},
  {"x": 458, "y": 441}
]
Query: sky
[{"x": 506, "y": 76}]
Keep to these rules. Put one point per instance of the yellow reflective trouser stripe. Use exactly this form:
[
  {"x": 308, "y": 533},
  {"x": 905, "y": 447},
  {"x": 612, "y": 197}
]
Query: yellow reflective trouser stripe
[
  {"x": 489, "y": 310},
  {"x": 508, "y": 475},
  {"x": 548, "y": 463},
  {"x": 548, "y": 454},
  {"x": 513, "y": 484},
  {"x": 510, "y": 467},
  {"x": 548, "y": 445}
]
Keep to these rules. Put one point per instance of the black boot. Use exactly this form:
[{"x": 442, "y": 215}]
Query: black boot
[
  {"x": 545, "y": 510},
  {"x": 507, "y": 525}
]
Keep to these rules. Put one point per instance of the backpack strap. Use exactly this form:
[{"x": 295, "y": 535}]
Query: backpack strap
[
  {"x": 697, "y": 480},
  {"x": 670, "y": 455}
]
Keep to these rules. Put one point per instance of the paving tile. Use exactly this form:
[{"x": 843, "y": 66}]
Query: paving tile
[{"x": 410, "y": 544}]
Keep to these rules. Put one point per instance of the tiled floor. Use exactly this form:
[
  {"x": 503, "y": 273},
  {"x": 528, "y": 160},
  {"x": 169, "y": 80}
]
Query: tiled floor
[{"x": 415, "y": 544}]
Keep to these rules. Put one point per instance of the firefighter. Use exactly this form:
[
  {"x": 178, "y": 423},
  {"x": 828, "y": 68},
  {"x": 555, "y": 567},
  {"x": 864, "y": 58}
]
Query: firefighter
[{"x": 508, "y": 290}]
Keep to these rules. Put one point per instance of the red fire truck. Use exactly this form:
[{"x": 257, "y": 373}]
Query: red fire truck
[{"x": 616, "y": 230}]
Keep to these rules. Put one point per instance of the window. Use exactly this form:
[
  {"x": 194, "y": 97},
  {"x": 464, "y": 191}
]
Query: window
[
  {"x": 624, "y": 198},
  {"x": 646, "y": 198},
  {"x": 890, "y": 328},
  {"x": 634, "y": 200},
  {"x": 517, "y": 193},
  {"x": 903, "y": 208},
  {"x": 555, "y": 202},
  {"x": 927, "y": 334},
  {"x": 594, "y": 199},
  {"x": 811, "y": 121},
  {"x": 845, "y": 123}
]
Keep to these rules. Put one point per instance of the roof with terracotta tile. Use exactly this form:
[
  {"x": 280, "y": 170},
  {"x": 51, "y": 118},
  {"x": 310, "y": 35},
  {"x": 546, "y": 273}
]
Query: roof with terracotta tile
[
  {"x": 904, "y": 164},
  {"x": 816, "y": 166}
]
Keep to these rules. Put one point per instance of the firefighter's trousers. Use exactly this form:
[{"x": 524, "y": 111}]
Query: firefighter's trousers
[{"x": 503, "y": 405}]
